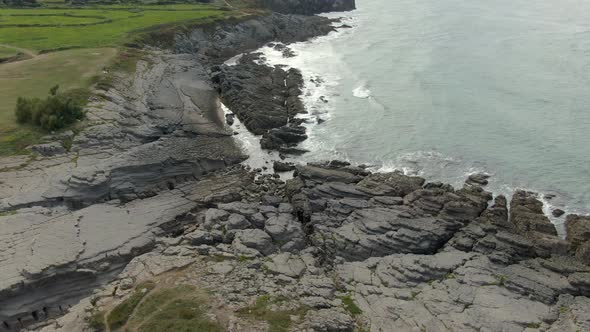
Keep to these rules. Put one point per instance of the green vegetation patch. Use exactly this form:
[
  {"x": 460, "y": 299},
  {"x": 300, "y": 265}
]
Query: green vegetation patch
[
  {"x": 173, "y": 309},
  {"x": 350, "y": 306},
  {"x": 54, "y": 112},
  {"x": 7, "y": 52},
  {"x": 65, "y": 45},
  {"x": 73, "y": 70},
  {"x": 86, "y": 27},
  {"x": 180, "y": 315},
  {"x": 49, "y": 19},
  {"x": 96, "y": 321},
  {"x": 121, "y": 313},
  {"x": 278, "y": 321}
]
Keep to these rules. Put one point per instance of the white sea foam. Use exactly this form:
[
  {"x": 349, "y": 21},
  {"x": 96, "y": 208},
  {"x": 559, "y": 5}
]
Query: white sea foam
[
  {"x": 250, "y": 145},
  {"x": 234, "y": 60},
  {"x": 321, "y": 69},
  {"x": 361, "y": 91}
]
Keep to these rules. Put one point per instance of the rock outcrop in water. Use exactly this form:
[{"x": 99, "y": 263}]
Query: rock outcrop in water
[{"x": 384, "y": 252}]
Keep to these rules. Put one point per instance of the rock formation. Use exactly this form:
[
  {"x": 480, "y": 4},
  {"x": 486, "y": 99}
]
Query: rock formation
[
  {"x": 150, "y": 191},
  {"x": 381, "y": 252}
]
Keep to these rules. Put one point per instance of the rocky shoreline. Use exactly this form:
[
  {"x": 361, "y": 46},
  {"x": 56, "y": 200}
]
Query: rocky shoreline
[
  {"x": 151, "y": 190},
  {"x": 409, "y": 255},
  {"x": 73, "y": 214}
]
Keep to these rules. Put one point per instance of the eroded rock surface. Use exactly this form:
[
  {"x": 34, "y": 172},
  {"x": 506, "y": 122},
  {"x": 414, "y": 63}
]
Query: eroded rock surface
[
  {"x": 380, "y": 252},
  {"x": 148, "y": 192}
]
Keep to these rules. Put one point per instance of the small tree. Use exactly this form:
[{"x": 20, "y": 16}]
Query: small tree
[
  {"x": 52, "y": 113},
  {"x": 23, "y": 110}
]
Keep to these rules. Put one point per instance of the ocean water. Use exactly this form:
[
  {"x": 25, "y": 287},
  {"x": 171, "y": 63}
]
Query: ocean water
[{"x": 446, "y": 88}]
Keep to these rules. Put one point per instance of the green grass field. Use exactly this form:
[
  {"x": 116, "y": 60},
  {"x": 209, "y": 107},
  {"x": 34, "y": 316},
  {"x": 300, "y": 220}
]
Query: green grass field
[
  {"x": 109, "y": 26},
  {"x": 88, "y": 39},
  {"x": 6, "y": 52},
  {"x": 33, "y": 78}
]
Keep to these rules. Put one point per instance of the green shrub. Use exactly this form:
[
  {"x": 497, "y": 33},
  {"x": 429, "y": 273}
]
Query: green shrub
[
  {"x": 55, "y": 112},
  {"x": 350, "y": 306},
  {"x": 121, "y": 313}
]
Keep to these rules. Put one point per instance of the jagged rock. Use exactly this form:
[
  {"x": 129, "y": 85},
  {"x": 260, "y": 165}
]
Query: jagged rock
[
  {"x": 237, "y": 221},
  {"x": 390, "y": 184},
  {"x": 258, "y": 241},
  {"x": 279, "y": 166},
  {"x": 286, "y": 264},
  {"x": 215, "y": 218},
  {"x": 243, "y": 208},
  {"x": 478, "y": 179},
  {"x": 199, "y": 237},
  {"x": 286, "y": 232},
  {"x": 284, "y": 136},
  {"x": 578, "y": 234},
  {"x": 526, "y": 214},
  {"x": 497, "y": 214},
  {"x": 376, "y": 232},
  {"x": 557, "y": 212},
  {"x": 320, "y": 174}
]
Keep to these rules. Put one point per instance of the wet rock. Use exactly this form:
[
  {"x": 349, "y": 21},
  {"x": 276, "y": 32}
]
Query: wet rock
[
  {"x": 557, "y": 212},
  {"x": 286, "y": 136},
  {"x": 280, "y": 166},
  {"x": 526, "y": 214},
  {"x": 578, "y": 234},
  {"x": 478, "y": 179},
  {"x": 229, "y": 119},
  {"x": 273, "y": 99}
]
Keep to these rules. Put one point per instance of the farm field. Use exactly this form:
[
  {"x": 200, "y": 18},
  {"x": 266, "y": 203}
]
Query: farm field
[
  {"x": 33, "y": 78},
  {"x": 50, "y": 29},
  {"x": 69, "y": 46},
  {"x": 6, "y": 52}
]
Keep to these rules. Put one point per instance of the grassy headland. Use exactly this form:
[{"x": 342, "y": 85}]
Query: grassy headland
[{"x": 69, "y": 46}]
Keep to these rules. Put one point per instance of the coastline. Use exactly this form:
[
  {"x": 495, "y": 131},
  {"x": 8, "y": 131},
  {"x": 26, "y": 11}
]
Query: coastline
[
  {"x": 154, "y": 141},
  {"x": 320, "y": 109},
  {"x": 373, "y": 231}
]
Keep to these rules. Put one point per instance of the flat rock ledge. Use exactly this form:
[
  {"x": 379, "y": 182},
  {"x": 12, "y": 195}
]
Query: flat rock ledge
[{"x": 371, "y": 252}]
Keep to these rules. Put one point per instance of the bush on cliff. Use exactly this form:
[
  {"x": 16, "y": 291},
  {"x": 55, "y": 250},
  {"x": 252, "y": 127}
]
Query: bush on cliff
[{"x": 55, "y": 112}]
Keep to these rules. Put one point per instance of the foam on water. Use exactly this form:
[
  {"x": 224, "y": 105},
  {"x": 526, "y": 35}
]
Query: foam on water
[
  {"x": 423, "y": 96},
  {"x": 361, "y": 91},
  {"x": 320, "y": 81},
  {"x": 250, "y": 144}
]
